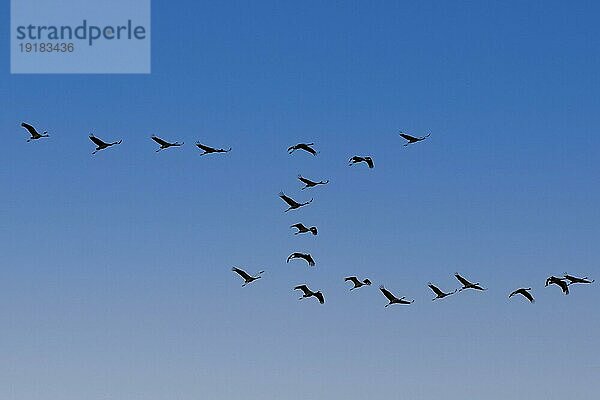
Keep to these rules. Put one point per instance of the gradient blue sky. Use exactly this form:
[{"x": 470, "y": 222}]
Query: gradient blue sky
[{"x": 115, "y": 280}]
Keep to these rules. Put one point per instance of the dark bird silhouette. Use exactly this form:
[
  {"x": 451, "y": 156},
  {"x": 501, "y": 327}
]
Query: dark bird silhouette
[
  {"x": 308, "y": 183},
  {"x": 466, "y": 284},
  {"x": 247, "y": 277},
  {"x": 303, "y": 229},
  {"x": 560, "y": 282},
  {"x": 357, "y": 283},
  {"x": 34, "y": 134},
  {"x": 523, "y": 292},
  {"x": 309, "y": 293},
  {"x": 292, "y": 203},
  {"x": 573, "y": 279},
  {"x": 438, "y": 293},
  {"x": 359, "y": 159},
  {"x": 303, "y": 146},
  {"x": 306, "y": 257},
  {"x": 412, "y": 139},
  {"x": 210, "y": 150},
  {"x": 393, "y": 299},
  {"x": 164, "y": 144},
  {"x": 101, "y": 144}
]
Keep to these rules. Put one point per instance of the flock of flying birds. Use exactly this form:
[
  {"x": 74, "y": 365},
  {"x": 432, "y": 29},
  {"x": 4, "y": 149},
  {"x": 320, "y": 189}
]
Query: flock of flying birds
[{"x": 563, "y": 282}]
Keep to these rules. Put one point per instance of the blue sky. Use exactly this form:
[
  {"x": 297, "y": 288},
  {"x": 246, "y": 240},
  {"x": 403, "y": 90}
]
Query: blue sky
[{"x": 116, "y": 280}]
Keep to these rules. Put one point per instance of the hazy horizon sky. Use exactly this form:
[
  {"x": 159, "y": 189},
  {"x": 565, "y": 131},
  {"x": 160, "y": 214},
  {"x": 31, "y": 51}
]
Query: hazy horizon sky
[{"x": 116, "y": 280}]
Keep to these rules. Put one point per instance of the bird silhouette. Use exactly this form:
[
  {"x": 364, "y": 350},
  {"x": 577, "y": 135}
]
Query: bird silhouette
[
  {"x": 303, "y": 146},
  {"x": 393, "y": 299},
  {"x": 305, "y": 256},
  {"x": 247, "y": 277},
  {"x": 560, "y": 282},
  {"x": 309, "y": 293},
  {"x": 412, "y": 139},
  {"x": 523, "y": 292},
  {"x": 466, "y": 284},
  {"x": 293, "y": 204},
  {"x": 210, "y": 150},
  {"x": 35, "y": 135},
  {"x": 164, "y": 144},
  {"x": 303, "y": 229},
  {"x": 308, "y": 183},
  {"x": 101, "y": 144},
  {"x": 438, "y": 293},
  {"x": 357, "y": 283},
  {"x": 359, "y": 159},
  {"x": 573, "y": 279}
]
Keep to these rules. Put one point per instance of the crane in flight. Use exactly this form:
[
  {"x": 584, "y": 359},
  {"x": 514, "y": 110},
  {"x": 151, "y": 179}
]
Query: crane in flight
[
  {"x": 35, "y": 135},
  {"x": 246, "y": 276},
  {"x": 439, "y": 294},
  {"x": 303, "y": 146},
  {"x": 164, "y": 144},
  {"x": 209, "y": 150},
  {"x": 359, "y": 159},
  {"x": 411, "y": 139},
  {"x": 309, "y": 293},
  {"x": 573, "y": 279},
  {"x": 309, "y": 183},
  {"x": 523, "y": 292},
  {"x": 393, "y": 299},
  {"x": 303, "y": 229},
  {"x": 357, "y": 283},
  {"x": 466, "y": 284},
  {"x": 101, "y": 144},
  {"x": 293, "y": 204},
  {"x": 560, "y": 282},
  {"x": 305, "y": 256}
]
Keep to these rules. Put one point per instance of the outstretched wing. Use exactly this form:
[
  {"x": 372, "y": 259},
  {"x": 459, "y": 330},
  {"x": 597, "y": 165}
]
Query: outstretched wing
[
  {"x": 97, "y": 141},
  {"x": 305, "y": 181},
  {"x": 29, "y": 128},
  {"x": 527, "y": 295},
  {"x": 319, "y": 296},
  {"x": 299, "y": 226},
  {"x": 352, "y": 279},
  {"x": 564, "y": 286},
  {"x": 293, "y": 255},
  {"x": 304, "y": 288},
  {"x": 241, "y": 273},
  {"x": 369, "y": 161},
  {"x": 291, "y": 202},
  {"x": 160, "y": 141},
  {"x": 435, "y": 289},
  {"x": 409, "y": 137},
  {"x": 387, "y": 293},
  {"x": 205, "y": 148},
  {"x": 306, "y": 147},
  {"x": 309, "y": 259},
  {"x": 462, "y": 280}
]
